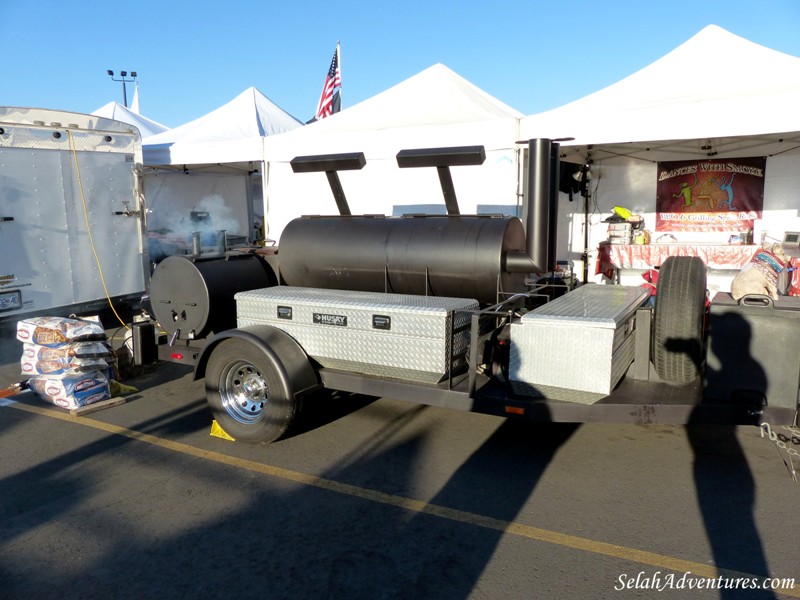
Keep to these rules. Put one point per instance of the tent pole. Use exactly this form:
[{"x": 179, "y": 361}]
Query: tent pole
[
  {"x": 585, "y": 255},
  {"x": 265, "y": 198}
]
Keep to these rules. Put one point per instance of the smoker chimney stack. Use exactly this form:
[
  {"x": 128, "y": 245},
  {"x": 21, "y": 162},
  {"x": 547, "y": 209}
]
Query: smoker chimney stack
[{"x": 539, "y": 212}]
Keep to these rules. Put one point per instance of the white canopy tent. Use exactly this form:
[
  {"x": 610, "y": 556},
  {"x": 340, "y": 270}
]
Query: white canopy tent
[
  {"x": 232, "y": 133},
  {"x": 714, "y": 87},
  {"x": 118, "y": 112},
  {"x": 435, "y": 108},
  {"x": 205, "y": 175},
  {"x": 717, "y": 95}
]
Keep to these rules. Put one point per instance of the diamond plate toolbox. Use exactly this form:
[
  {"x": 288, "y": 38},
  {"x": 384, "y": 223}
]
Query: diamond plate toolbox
[
  {"x": 581, "y": 342},
  {"x": 391, "y": 335}
]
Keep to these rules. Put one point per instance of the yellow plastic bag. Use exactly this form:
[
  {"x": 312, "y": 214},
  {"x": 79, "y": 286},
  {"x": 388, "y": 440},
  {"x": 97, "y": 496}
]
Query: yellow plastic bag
[{"x": 622, "y": 212}]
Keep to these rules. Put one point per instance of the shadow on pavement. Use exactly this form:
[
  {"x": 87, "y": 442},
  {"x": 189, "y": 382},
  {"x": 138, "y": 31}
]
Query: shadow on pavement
[
  {"x": 725, "y": 485},
  {"x": 226, "y": 533}
]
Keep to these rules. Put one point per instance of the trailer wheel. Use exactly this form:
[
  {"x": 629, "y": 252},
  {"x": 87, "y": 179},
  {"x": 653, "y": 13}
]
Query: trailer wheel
[
  {"x": 249, "y": 396},
  {"x": 679, "y": 319}
]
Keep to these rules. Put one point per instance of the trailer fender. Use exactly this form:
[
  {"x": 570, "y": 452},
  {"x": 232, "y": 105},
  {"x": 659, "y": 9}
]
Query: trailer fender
[
  {"x": 281, "y": 349},
  {"x": 254, "y": 379}
]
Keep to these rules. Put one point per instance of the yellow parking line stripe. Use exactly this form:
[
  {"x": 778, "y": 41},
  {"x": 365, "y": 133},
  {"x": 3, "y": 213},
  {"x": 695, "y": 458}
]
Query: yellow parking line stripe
[{"x": 526, "y": 531}]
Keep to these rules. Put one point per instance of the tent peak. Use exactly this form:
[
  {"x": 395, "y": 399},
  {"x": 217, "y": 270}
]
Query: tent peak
[
  {"x": 230, "y": 133},
  {"x": 118, "y": 112},
  {"x": 716, "y": 84},
  {"x": 714, "y": 39},
  {"x": 439, "y": 82}
]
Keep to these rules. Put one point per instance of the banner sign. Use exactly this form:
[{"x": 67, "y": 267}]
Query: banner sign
[{"x": 710, "y": 195}]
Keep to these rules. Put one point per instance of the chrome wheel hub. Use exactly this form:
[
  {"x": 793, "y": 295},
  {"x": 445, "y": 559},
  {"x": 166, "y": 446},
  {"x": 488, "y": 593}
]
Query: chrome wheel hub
[{"x": 244, "y": 392}]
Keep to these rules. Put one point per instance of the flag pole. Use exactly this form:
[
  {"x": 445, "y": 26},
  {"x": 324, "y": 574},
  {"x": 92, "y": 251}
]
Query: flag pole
[{"x": 339, "y": 57}]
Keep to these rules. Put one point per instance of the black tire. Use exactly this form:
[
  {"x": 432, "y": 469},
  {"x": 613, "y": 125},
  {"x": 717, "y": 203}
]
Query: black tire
[
  {"x": 679, "y": 319},
  {"x": 248, "y": 394}
]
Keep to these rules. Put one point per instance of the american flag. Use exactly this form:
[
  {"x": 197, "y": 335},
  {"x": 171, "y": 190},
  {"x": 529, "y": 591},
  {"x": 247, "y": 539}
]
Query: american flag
[{"x": 333, "y": 83}]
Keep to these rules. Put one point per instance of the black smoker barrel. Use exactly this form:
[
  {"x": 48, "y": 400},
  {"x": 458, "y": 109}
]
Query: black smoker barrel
[
  {"x": 193, "y": 297},
  {"x": 457, "y": 256}
]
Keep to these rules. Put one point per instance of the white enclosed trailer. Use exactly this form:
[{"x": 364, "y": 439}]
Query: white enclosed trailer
[{"x": 71, "y": 213}]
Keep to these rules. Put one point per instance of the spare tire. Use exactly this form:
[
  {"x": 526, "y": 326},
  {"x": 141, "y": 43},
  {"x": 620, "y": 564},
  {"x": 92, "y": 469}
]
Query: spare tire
[{"x": 679, "y": 319}]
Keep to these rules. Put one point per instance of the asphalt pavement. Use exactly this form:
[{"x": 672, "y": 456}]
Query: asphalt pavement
[{"x": 378, "y": 498}]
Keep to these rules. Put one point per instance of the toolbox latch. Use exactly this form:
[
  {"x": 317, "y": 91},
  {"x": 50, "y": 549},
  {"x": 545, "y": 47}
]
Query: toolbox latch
[{"x": 381, "y": 322}]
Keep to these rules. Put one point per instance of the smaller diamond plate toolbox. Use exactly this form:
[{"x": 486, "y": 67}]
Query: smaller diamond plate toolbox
[
  {"x": 580, "y": 342},
  {"x": 391, "y": 335}
]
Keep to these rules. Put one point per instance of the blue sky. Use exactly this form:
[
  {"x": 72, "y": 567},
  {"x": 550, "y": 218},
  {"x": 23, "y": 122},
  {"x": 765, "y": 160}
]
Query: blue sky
[{"x": 193, "y": 56}]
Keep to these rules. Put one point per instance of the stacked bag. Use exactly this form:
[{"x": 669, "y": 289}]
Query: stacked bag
[{"x": 70, "y": 361}]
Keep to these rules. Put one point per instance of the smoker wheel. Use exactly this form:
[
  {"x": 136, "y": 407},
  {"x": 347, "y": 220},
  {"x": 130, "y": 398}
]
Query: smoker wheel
[
  {"x": 247, "y": 393},
  {"x": 679, "y": 318}
]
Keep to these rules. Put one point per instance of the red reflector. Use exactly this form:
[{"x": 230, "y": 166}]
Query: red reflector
[
  {"x": 177, "y": 356},
  {"x": 515, "y": 410}
]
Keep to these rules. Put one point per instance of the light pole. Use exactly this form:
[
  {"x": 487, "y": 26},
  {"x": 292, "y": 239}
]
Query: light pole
[{"x": 123, "y": 75}]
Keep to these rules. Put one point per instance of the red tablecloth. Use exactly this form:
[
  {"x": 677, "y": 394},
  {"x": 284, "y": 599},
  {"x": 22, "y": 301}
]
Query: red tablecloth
[
  {"x": 644, "y": 256},
  {"x": 716, "y": 256}
]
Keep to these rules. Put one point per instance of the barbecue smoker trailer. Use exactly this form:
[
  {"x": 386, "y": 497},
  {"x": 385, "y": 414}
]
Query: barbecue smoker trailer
[{"x": 453, "y": 311}]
